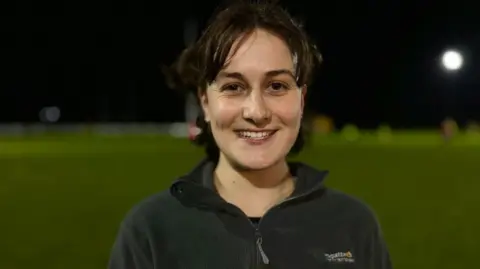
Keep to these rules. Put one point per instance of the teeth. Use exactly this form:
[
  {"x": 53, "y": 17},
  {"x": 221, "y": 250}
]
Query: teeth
[{"x": 255, "y": 135}]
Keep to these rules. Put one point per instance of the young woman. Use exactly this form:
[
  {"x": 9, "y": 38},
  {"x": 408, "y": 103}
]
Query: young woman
[{"x": 245, "y": 205}]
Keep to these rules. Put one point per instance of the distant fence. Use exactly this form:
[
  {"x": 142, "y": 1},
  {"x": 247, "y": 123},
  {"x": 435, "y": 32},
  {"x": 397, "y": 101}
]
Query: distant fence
[
  {"x": 349, "y": 134},
  {"x": 177, "y": 129}
]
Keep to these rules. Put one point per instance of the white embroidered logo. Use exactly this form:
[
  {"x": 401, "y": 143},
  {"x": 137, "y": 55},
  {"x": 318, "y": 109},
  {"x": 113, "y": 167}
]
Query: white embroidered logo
[{"x": 340, "y": 257}]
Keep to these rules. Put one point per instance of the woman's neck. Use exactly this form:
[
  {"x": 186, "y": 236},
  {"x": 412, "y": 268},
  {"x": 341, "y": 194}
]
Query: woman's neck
[{"x": 253, "y": 191}]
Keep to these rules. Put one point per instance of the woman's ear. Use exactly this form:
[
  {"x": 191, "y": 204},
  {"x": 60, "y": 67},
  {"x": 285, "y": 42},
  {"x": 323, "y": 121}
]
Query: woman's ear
[
  {"x": 203, "y": 99},
  {"x": 304, "y": 93}
]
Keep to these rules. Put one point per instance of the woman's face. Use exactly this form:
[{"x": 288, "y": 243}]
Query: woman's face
[{"x": 254, "y": 106}]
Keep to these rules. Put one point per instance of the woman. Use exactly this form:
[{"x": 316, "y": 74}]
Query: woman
[{"x": 245, "y": 205}]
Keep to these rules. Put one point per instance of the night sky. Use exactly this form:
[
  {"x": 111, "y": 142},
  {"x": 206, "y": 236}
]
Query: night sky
[{"x": 101, "y": 61}]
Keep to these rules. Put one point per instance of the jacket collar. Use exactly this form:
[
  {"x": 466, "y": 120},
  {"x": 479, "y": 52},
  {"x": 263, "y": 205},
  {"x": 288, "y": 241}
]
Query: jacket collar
[{"x": 197, "y": 187}]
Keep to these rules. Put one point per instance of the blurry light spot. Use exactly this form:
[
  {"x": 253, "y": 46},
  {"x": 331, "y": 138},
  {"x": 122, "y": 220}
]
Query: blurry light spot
[
  {"x": 351, "y": 133},
  {"x": 50, "y": 114},
  {"x": 452, "y": 60}
]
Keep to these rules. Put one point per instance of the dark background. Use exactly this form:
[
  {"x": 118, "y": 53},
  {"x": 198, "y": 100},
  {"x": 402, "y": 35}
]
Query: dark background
[
  {"x": 100, "y": 61},
  {"x": 65, "y": 191}
]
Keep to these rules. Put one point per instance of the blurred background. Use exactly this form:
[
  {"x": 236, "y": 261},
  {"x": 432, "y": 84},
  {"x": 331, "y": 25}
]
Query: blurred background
[{"x": 89, "y": 127}]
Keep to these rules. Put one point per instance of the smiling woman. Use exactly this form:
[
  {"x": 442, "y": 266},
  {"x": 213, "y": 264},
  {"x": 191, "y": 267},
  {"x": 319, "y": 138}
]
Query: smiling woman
[
  {"x": 245, "y": 205},
  {"x": 228, "y": 49},
  {"x": 254, "y": 106}
]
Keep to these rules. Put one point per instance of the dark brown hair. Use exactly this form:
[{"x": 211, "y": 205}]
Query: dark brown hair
[{"x": 199, "y": 64}]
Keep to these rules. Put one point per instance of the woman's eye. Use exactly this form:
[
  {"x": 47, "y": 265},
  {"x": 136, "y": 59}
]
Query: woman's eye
[
  {"x": 277, "y": 86},
  {"x": 232, "y": 87}
]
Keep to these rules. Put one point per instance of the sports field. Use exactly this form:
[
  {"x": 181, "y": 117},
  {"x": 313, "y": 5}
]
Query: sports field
[{"x": 62, "y": 197}]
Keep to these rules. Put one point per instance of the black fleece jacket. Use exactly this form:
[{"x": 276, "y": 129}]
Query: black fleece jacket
[{"x": 189, "y": 226}]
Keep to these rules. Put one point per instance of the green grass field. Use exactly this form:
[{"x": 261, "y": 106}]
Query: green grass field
[{"x": 62, "y": 197}]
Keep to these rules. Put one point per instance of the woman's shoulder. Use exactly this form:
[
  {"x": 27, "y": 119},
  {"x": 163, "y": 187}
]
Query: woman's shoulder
[
  {"x": 152, "y": 209},
  {"x": 351, "y": 206}
]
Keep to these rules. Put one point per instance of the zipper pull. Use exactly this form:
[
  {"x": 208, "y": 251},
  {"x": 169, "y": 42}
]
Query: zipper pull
[{"x": 265, "y": 259}]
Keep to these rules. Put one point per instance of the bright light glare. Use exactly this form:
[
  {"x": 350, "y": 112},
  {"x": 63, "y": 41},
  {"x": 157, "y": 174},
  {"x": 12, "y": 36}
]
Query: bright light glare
[{"x": 452, "y": 60}]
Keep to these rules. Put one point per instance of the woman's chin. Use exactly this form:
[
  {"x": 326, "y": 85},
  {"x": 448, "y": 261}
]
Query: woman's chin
[{"x": 251, "y": 162}]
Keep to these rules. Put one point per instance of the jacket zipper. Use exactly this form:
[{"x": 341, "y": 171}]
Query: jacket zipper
[
  {"x": 259, "y": 240},
  {"x": 258, "y": 236}
]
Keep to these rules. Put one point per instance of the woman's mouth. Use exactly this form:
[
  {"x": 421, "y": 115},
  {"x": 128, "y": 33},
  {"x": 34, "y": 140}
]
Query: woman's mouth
[{"x": 255, "y": 137}]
